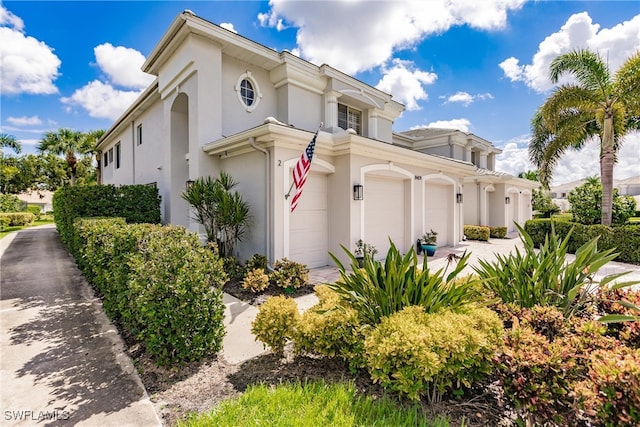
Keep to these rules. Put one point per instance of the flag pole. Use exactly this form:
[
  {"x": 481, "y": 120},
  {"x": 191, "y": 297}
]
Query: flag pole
[{"x": 286, "y": 196}]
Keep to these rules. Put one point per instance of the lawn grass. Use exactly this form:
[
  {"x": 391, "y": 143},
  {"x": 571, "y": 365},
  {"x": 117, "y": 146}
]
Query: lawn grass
[
  {"x": 20, "y": 227},
  {"x": 311, "y": 404}
]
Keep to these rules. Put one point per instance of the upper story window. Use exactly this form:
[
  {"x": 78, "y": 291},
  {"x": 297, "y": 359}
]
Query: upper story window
[
  {"x": 118, "y": 155},
  {"x": 349, "y": 118},
  {"x": 248, "y": 91},
  {"x": 139, "y": 135}
]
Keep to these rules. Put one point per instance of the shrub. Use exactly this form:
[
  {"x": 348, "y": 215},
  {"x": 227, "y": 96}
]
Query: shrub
[
  {"x": 4, "y": 222},
  {"x": 477, "y": 232},
  {"x": 425, "y": 354},
  {"x": 331, "y": 330},
  {"x": 134, "y": 203},
  {"x": 176, "y": 284},
  {"x": 256, "y": 280},
  {"x": 379, "y": 290},
  {"x": 276, "y": 322},
  {"x": 610, "y": 394},
  {"x": 498, "y": 232},
  {"x": 544, "y": 277},
  {"x": 289, "y": 274},
  {"x": 586, "y": 200},
  {"x": 623, "y": 313},
  {"x": 625, "y": 239},
  {"x": 256, "y": 261},
  {"x": 10, "y": 203},
  {"x": 18, "y": 218},
  {"x": 35, "y": 210}
]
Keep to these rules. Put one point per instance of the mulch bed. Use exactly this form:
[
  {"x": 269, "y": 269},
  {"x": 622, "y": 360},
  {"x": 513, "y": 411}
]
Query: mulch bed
[{"x": 234, "y": 287}]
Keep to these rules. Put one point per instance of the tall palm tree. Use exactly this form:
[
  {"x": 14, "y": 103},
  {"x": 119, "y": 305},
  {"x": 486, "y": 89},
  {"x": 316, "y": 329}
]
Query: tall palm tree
[
  {"x": 10, "y": 141},
  {"x": 599, "y": 105},
  {"x": 93, "y": 136},
  {"x": 69, "y": 143}
]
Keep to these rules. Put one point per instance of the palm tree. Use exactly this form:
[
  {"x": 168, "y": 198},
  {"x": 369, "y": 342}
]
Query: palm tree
[
  {"x": 599, "y": 105},
  {"x": 68, "y": 143},
  {"x": 10, "y": 141}
]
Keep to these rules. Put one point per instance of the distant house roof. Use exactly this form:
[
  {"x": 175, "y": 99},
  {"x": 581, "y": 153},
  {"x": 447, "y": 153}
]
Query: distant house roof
[{"x": 40, "y": 197}]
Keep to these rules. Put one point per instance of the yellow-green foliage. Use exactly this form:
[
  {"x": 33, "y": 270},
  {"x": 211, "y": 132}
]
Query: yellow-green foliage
[
  {"x": 276, "y": 322},
  {"x": 256, "y": 280},
  {"x": 289, "y": 274},
  {"x": 330, "y": 329},
  {"x": 477, "y": 232},
  {"x": 19, "y": 218},
  {"x": 417, "y": 353}
]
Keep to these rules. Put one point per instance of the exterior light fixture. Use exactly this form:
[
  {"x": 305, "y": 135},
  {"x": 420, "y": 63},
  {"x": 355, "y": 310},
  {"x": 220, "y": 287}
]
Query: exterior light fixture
[
  {"x": 358, "y": 192},
  {"x": 188, "y": 184},
  {"x": 507, "y": 200},
  {"x": 458, "y": 197}
]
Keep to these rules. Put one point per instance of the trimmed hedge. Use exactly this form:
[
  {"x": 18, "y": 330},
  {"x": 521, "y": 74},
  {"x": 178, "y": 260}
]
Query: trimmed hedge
[
  {"x": 134, "y": 203},
  {"x": 625, "y": 239},
  {"x": 497, "y": 232},
  {"x": 18, "y": 218},
  {"x": 477, "y": 232},
  {"x": 158, "y": 282}
]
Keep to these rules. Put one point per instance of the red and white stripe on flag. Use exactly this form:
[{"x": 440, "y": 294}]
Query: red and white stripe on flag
[{"x": 301, "y": 170}]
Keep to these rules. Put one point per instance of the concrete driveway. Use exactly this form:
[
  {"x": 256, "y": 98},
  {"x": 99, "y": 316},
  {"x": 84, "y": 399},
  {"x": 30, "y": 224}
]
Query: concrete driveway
[{"x": 62, "y": 360}]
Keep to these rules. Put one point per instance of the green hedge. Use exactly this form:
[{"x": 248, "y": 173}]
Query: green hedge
[
  {"x": 159, "y": 283},
  {"x": 18, "y": 218},
  {"x": 497, "y": 232},
  {"x": 134, "y": 203},
  {"x": 477, "y": 232},
  {"x": 625, "y": 239}
]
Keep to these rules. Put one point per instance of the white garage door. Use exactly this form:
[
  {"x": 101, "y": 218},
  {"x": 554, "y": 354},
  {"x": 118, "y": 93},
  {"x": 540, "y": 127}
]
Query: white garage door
[
  {"x": 437, "y": 211},
  {"x": 384, "y": 218},
  {"x": 309, "y": 226}
]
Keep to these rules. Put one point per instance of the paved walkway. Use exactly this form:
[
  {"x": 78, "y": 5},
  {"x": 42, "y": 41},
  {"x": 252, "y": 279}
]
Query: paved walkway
[{"x": 62, "y": 360}]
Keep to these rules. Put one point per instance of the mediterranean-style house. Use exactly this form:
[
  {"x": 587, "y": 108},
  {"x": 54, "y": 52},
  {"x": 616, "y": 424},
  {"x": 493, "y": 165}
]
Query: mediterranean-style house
[
  {"x": 626, "y": 187},
  {"x": 222, "y": 102}
]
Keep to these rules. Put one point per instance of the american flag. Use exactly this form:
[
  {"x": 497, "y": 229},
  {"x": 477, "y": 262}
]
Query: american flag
[{"x": 301, "y": 170}]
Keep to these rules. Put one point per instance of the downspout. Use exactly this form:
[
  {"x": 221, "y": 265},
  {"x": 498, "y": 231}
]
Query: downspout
[{"x": 267, "y": 198}]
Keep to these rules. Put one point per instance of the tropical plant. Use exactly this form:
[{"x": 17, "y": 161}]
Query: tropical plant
[
  {"x": 365, "y": 249},
  {"x": 599, "y": 105},
  {"x": 276, "y": 322},
  {"x": 224, "y": 215},
  {"x": 542, "y": 203},
  {"x": 71, "y": 144},
  {"x": 10, "y": 141},
  {"x": 544, "y": 277},
  {"x": 377, "y": 290},
  {"x": 429, "y": 238}
]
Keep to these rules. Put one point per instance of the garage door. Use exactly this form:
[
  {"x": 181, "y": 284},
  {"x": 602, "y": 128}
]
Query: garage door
[
  {"x": 384, "y": 218},
  {"x": 309, "y": 227},
  {"x": 437, "y": 211}
]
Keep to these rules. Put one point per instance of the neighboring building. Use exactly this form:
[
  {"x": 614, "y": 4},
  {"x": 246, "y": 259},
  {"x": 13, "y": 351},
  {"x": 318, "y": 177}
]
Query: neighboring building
[
  {"x": 224, "y": 102},
  {"x": 41, "y": 198},
  {"x": 626, "y": 187}
]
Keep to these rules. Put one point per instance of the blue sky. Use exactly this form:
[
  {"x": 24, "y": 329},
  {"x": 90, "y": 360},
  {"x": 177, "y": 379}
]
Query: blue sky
[{"x": 476, "y": 65}]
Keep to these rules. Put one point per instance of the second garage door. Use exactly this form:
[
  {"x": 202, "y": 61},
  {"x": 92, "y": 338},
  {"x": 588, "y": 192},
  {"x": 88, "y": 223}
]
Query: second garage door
[{"x": 384, "y": 218}]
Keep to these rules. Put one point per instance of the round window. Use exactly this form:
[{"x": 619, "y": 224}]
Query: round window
[{"x": 248, "y": 91}]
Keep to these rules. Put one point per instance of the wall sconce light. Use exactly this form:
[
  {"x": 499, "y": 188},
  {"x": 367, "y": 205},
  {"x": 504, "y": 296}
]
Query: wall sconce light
[
  {"x": 188, "y": 184},
  {"x": 507, "y": 200},
  {"x": 358, "y": 192},
  {"x": 458, "y": 197}
]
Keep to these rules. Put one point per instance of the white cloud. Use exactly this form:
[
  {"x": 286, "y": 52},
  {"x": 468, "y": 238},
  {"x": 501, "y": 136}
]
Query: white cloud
[
  {"x": 101, "y": 100},
  {"x": 27, "y": 65},
  {"x": 122, "y": 66},
  {"x": 465, "y": 98},
  {"x": 25, "y": 121},
  {"x": 460, "y": 124},
  {"x": 228, "y": 26},
  {"x": 406, "y": 83},
  {"x": 355, "y": 36},
  {"x": 615, "y": 44},
  {"x": 573, "y": 165}
]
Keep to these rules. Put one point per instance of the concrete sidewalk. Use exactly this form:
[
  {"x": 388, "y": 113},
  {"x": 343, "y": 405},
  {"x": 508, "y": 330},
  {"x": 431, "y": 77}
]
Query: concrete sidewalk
[{"x": 62, "y": 360}]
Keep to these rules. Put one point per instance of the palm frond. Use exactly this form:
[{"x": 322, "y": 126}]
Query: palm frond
[{"x": 586, "y": 66}]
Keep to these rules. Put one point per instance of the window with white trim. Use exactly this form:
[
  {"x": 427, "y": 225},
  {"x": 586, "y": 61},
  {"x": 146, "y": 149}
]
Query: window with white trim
[
  {"x": 105, "y": 162},
  {"x": 248, "y": 91},
  {"x": 349, "y": 118},
  {"x": 139, "y": 135},
  {"x": 111, "y": 155},
  {"x": 118, "y": 155}
]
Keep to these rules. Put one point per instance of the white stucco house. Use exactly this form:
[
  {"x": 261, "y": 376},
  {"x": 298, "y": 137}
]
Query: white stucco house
[
  {"x": 626, "y": 187},
  {"x": 224, "y": 102}
]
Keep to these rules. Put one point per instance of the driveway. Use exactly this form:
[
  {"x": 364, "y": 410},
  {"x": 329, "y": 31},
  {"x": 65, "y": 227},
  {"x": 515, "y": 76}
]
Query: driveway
[{"x": 62, "y": 360}]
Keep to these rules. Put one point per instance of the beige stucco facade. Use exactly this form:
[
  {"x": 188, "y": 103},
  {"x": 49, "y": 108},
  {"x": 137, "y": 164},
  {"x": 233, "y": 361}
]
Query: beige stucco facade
[{"x": 193, "y": 121}]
